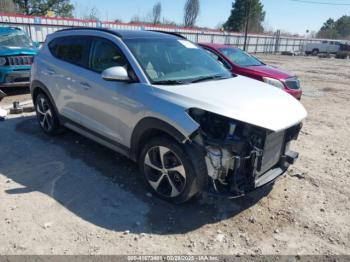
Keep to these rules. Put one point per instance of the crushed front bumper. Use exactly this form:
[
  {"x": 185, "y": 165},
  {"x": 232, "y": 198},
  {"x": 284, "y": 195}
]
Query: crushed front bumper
[{"x": 262, "y": 167}]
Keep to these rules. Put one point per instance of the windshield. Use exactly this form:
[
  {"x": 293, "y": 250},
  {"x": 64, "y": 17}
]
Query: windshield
[
  {"x": 15, "y": 39},
  {"x": 239, "y": 57},
  {"x": 175, "y": 61}
]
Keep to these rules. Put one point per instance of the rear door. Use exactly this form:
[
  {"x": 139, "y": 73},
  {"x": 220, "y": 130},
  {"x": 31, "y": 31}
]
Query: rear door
[{"x": 66, "y": 71}]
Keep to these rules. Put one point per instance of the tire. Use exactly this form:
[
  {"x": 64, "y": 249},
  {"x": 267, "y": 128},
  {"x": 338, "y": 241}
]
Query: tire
[
  {"x": 315, "y": 52},
  {"x": 172, "y": 171},
  {"x": 47, "y": 116}
]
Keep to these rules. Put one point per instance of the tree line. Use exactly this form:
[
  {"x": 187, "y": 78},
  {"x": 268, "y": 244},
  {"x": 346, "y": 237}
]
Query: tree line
[
  {"x": 241, "y": 12},
  {"x": 64, "y": 8},
  {"x": 336, "y": 29}
]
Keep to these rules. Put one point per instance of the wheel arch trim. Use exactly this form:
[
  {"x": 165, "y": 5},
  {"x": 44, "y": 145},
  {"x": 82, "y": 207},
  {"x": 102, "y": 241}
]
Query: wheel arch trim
[
  {"x": 37, "y": 85},
  {"x": 148, "y": 124}
]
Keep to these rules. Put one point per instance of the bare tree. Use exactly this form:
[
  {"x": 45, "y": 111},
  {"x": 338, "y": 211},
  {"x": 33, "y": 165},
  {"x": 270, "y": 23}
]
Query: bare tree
[
  {"x": 7, "y": 6},
  {"x": 135, "y": 19},
  {"x": 192, "y": 8},
  {"x": 156, "y": 13},
  {"x": 93, "y": 14}
]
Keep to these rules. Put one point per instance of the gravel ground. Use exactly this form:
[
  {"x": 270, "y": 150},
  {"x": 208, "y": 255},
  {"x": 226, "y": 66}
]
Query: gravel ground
[
  {"x": 19, "y": 94},
  {"x": 68, "y": 195}
]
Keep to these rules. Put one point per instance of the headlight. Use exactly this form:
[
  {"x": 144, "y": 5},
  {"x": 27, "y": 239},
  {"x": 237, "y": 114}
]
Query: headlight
[
  {"x": 2, "y": 61},
  {"x": 273, "y": 82}
]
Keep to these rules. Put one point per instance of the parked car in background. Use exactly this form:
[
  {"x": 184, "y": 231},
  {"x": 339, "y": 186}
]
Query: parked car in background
[
  {"x": 242, "y": 63},
  {"x": 344, "y": 51},
  {"x": 17, "y": 51},
  {"x": 162, "y": 101},
  {"x": 331, "y": 47}
]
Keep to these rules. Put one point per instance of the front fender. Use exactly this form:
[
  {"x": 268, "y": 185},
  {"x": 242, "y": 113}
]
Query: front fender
[{"x": 151, "y": 123}]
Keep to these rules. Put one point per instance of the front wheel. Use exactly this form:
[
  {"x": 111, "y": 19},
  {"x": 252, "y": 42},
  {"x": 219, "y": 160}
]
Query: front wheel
[{"x": 170, "y": 172}]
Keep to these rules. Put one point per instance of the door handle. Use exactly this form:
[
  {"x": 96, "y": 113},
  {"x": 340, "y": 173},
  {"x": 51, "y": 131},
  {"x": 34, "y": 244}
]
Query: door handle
[
  {"x": 85, "y": 85},
  {"x": 50, "y": 71}
]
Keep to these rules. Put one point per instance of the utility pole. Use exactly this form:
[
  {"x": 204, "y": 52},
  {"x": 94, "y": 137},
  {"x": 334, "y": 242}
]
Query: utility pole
[{"x": 247, "y": 24}]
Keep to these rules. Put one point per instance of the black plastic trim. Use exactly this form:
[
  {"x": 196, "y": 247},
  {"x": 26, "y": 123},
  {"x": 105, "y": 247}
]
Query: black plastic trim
[
  {"x": 169, "y": 33},
  {"x": 148, "y": 124},
  {"x": 92, "y": 28},
  {"x": 124, "y": 148},
  {"x": 35, "y": 85}
]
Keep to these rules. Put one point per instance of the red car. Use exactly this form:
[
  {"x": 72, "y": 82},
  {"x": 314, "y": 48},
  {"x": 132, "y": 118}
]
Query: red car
[{"x": 242, "y": 63}]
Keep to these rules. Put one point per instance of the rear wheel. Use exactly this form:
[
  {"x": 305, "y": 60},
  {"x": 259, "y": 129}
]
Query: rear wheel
[
  {"x": 46, "y": 115},
  {"x": 169, "y": 171},
  {"x": 315, "y": 52}
]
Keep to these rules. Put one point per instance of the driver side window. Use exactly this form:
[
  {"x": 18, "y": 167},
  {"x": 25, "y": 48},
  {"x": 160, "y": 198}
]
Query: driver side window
[{"x": 105, "y": 54}]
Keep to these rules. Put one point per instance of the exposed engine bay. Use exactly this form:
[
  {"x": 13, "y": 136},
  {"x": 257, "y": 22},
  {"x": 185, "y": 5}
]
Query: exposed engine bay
[{"x": 240, "y": 157}]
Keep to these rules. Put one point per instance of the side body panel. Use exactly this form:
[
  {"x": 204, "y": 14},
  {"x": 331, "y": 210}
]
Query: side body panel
[{"x": 109, "y": 108}]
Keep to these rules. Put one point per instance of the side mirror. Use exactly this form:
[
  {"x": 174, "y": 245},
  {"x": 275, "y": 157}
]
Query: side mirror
[{"x": 116, "y": 73}]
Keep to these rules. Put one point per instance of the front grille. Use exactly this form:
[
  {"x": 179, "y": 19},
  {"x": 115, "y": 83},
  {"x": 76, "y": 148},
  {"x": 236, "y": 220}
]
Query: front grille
[
  {"x": 19, "y": 60},
  {"x": 272, "y": 151},
  {"x": 293, "y": 83}
]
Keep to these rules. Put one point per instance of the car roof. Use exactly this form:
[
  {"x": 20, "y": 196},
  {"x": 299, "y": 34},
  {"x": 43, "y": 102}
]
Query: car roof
[
  {"x": 130, "y": 34},
  {"x": 216, "y": 46}
]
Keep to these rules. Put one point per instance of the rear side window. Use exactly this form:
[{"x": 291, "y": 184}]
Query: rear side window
[{"x": 72, "y": 49}]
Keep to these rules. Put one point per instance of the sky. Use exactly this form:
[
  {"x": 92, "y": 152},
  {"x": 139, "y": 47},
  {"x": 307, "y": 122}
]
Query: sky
[{"x": 286, "y": 15}]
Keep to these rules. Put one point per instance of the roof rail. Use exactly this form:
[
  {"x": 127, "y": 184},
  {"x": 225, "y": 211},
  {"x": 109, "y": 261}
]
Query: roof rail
[
  {"x": 92, "y": 28},
  {"x": 169, "y": 33}
]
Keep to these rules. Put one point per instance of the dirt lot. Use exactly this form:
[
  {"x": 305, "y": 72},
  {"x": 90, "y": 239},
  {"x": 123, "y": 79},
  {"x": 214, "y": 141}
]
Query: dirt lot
[{"x": 68, "y": 195}]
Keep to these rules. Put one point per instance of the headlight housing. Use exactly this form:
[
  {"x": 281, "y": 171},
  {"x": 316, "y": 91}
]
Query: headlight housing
[
  {"x": 2, "y": 61},
  {"x": 273, "y": 82}
]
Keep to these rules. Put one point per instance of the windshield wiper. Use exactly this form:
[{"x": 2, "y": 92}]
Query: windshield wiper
[
  {"x": 168, "y": 82},
  {"x": 207, "y": 78}
]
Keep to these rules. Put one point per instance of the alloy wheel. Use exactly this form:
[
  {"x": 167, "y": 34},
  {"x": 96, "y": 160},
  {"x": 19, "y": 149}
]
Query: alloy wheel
[
  {"x": 164, "y": 171},
  {"x": 44, "y": 114}
]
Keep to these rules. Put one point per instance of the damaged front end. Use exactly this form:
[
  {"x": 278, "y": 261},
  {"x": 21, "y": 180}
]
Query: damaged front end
[{"x": 241, "y": 157}]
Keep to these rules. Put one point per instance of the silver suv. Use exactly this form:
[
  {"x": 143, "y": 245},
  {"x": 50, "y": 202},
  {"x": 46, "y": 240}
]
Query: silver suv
[{"x": 164, "y": 102}]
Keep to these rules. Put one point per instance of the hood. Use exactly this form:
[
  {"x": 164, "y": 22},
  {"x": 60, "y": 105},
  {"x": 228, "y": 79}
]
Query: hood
[
  {"x": 269, "y": 71},
  {"x": 239, "y": 98},
  {"x": 5, "y": 50}
]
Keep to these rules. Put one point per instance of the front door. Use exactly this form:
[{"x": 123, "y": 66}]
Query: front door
[{"x": 104, "y": 104}]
